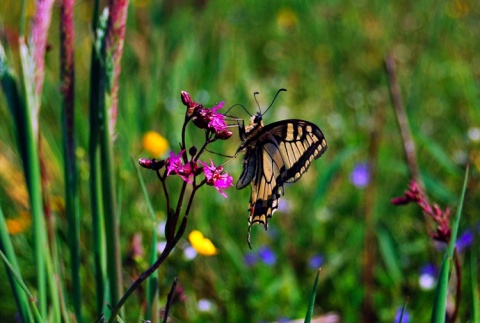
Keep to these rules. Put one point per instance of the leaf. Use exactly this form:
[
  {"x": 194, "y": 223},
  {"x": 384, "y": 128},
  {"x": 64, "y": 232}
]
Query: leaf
[
  {"x": 440, "y": 302},
  {"x": 311, "y": 304}
]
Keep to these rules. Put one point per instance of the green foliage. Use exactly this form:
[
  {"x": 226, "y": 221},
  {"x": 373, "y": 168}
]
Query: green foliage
[{"x": 329, "y": 56}]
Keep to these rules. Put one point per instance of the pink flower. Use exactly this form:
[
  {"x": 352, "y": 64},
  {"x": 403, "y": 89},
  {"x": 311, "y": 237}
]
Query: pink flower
[
  {"x": 175, "y": 166},
  {"x": 217, "y": 122},
  {"x": 211, "y": 120},
  {"x": 215, "y": 178}
]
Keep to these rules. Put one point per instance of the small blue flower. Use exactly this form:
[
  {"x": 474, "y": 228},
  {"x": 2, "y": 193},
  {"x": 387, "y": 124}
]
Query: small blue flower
[
  {"x": 267, "y": 256},
  {"x": 398, "y": 314},
  {"x": 250, "y": 259},
  {"x": 428, "y": 277},
  {"x": 360, "y": 175},
  {"x": 283, "y": 205},
  {"x": 465, "y": 240},
  {"x": 316, "y": 261}
]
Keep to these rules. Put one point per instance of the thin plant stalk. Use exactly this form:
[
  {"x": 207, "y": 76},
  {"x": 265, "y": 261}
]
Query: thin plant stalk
[
  {"x": 402, "y": 120},
  {"x": 440, "y": 303},
  {"x": 31, "y": 165},
  {"x": 152, "y": 283},
  {"x": 163, "y": 256},
  {"x": 7, "y": 248},
  {"x": 170, "y": 300},
  {"x": 70, "y": 167},
  {"x": 311, "y": 303},
  {"x": 370, "y": 250},
  {"x": 111, "y": 51},
  {"x": 20, "y": 282},
  {"x": 95, "y": 184}
]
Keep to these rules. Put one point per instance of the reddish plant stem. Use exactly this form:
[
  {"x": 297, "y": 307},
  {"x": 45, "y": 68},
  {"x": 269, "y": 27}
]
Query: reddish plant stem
[
  {"x": 400, "y": 112},
  {"x": 410, "y": 155},
  {"x": 370, "y": 223}
]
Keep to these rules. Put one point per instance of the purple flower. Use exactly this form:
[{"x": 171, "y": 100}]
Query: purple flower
[
  {"x": 316, "y": 261},
  {"x": 403, "y": 314},
  {"x": 267, "y": 256},
  {"x": 217, "y": 122},
  {"x": 212, "y": 121},
  {"x": 465, "y": 240},
  {"x": 250, "y": 259},
  {"x": 215, "y": 178},
  {"x": 428, "y": 276},
  {"x": 360, "y": 175},
  {"x": 175, "y": 166}
]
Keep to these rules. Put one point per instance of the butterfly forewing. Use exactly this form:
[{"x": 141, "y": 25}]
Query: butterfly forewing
[{"x": 302, "y": 143}]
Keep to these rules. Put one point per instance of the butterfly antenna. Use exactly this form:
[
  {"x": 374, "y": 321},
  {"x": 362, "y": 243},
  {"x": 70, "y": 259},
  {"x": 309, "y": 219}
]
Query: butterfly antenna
[
  {"x": 278, "y": 92},
  {"x": 238, "y": 104},
  {"x": 258, "y": 105}
]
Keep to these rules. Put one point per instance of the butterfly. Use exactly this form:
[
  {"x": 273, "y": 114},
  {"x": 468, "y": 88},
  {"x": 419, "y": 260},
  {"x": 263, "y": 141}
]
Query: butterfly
[{"x": 275, "y": 154}]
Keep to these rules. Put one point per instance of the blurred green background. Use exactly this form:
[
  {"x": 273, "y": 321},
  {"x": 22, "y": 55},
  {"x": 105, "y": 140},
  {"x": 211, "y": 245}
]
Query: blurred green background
[{"x": 329, "y": 55}]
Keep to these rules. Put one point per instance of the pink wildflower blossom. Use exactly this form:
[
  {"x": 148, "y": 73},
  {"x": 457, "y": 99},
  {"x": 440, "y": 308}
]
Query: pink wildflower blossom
[
  {"x": 175, "y": 166},
  {"x": 215, "y": 178}
]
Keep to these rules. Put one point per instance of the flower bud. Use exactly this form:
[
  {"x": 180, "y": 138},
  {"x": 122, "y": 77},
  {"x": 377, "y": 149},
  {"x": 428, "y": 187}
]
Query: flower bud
[
  {"x": 201, "y": 117},
  {"x": 192, "y": 151},
  {"x": 186, "y": 100},
  {"x": 151, "y": 163},
  {"x": 223, "y": 134}
]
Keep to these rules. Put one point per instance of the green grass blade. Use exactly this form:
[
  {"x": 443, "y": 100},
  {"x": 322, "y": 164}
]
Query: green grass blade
[
  {"x": 95, "y": 183},
  {"x": 152, "y": 282},
  {"x": 440, "y": 302},
  {"x": 19, "y": 280},
  {"x": 6, "y": 247},
  {"x": 27, "y": 145},
  {"x": 114, "y": 263},
  {"x": 311, "y": 303},
  {"x": 69, "y": 145}
]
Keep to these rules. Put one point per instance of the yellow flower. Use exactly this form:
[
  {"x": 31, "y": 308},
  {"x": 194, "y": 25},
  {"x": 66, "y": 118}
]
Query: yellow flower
[
  {"x": 155, "y": 144},
  {"x": 287, "y": 19},
  {"x": 19, "y": 224},
  {"x": 201, "y": 244}
]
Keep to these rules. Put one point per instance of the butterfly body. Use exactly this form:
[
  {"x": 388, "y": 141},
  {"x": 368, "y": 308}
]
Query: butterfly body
[{"x": 275, "y": 154}]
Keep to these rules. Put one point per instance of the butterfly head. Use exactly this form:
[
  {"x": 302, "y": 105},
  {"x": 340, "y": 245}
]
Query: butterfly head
[{"x": 255, "y": 121}]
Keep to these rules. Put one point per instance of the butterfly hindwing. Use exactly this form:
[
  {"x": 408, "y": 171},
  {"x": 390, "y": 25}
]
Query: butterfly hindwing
[{"x": 267, "y": 186}]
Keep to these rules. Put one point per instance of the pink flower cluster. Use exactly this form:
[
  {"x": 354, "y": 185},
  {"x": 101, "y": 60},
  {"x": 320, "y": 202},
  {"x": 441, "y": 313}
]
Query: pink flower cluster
[
  {"x": 215, "y": 178},
  {"x": 214, "y": 175},
  {"x": 175, "y": 165},
  {"x": 414, "y": 194},
  {"x": 187, "y": 165},
  {"x": 208, "y": 119}
]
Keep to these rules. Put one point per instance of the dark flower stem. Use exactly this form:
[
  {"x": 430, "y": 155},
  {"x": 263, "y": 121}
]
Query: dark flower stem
[
  {"x": 165, "y": 253},
  {"x": 169, "y": 300},
  {"x": 164, "y": 187}
]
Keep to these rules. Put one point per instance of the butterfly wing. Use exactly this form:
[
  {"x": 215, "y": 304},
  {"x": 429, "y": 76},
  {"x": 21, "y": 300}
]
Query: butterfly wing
[
  {"x": 280, "y": 153},
  {"x": 300, "y": 142}
]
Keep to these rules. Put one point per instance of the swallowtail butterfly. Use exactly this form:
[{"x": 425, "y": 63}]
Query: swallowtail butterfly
[{"x": 275, "y": 154}]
